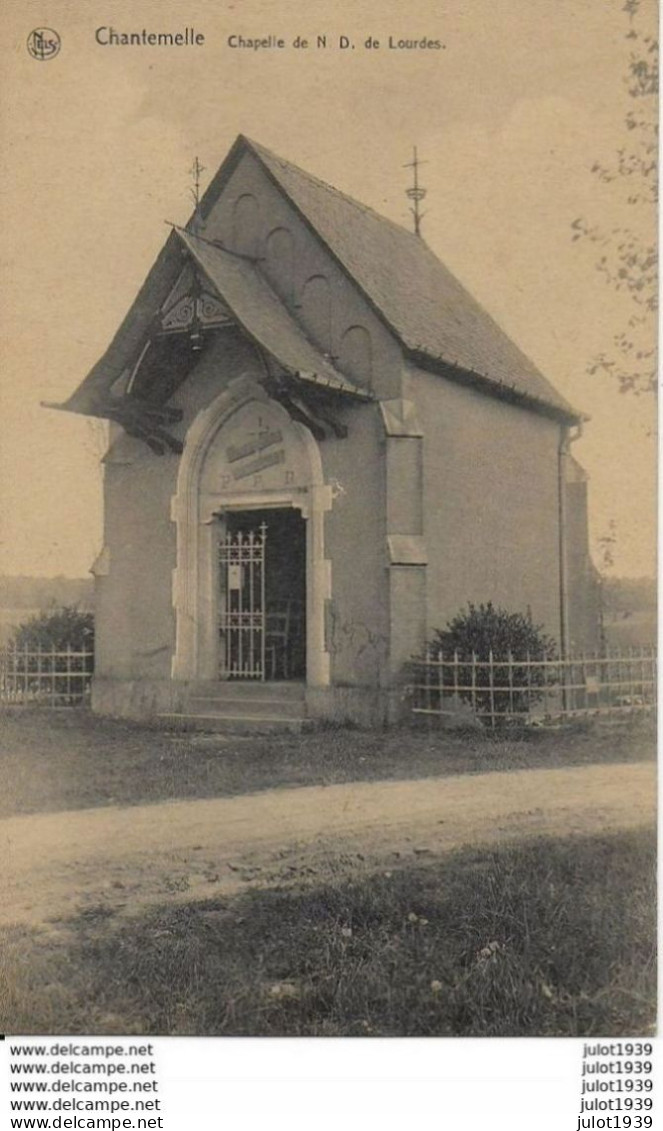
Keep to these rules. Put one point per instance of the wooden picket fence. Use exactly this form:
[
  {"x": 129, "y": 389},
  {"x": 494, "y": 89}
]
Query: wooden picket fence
[
  {"x": 522, "y": 690},
  {"x": 45, "y": 676}
]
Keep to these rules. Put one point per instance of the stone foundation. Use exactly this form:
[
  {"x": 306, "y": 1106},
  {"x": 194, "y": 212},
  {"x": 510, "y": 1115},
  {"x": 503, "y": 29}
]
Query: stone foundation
[
  {"x": 145, "y": 699},
  {"x": 140, "y": 699}
]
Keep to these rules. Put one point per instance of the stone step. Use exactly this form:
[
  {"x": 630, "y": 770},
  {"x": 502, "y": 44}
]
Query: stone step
[
  {"x": 247, "y": 689},
  {"x": 226, "y": 722},
  {"x": 263, "y": 705}
]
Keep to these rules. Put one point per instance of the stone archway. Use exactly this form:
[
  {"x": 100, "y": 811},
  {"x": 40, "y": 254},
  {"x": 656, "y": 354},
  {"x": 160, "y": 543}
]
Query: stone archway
[{"x": 244, "y": 452}]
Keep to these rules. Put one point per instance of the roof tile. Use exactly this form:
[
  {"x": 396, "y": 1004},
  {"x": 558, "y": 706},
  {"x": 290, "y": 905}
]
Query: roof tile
[{"x": 426, "y": 306}]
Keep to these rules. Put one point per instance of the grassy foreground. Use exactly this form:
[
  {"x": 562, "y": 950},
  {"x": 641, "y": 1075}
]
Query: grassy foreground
[
  {"x": 546, "y": 937},
  {"x": 55, "y": 760}
]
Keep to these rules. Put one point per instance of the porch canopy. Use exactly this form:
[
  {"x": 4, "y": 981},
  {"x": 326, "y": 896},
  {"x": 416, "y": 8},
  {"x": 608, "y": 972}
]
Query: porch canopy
[{"x": 253, "y": 307}]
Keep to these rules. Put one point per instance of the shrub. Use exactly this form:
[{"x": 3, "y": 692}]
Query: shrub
[
  {"x": 50, "y": 658},
  {"x": 57, "y": 629},
  {"x": 495, "y": 642}
]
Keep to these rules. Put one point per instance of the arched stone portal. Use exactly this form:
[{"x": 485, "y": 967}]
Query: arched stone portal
[{"x": 242, "y": 453}]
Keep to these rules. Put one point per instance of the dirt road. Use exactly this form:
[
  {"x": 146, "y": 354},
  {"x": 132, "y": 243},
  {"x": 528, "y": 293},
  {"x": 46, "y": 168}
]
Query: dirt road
[{"x": 57, "y": 865}]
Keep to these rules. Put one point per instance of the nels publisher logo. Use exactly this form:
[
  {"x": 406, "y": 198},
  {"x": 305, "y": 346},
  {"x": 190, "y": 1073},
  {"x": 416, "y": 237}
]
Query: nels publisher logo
[{"x": 43, "y": 43}]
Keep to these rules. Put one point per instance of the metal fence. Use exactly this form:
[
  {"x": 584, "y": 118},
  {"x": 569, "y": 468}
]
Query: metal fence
[
  {"x": 519, "y": 689},
  {"x": 49, "y": 676}
]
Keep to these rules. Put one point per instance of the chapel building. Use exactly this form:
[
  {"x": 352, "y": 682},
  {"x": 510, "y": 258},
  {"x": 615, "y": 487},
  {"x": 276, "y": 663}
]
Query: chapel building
[{"x": 322, "y": 448}]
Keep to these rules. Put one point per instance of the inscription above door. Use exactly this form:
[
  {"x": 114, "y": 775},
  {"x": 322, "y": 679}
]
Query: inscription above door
[{"x": 256, "y": 450}]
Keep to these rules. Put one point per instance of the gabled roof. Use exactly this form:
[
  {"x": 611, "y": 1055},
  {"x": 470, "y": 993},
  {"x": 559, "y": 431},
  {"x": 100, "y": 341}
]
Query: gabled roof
[
  {"x": 440, "y": 325},
  {"x": 431, "y": 312},
  {"x": 252, "y": 303},
  {"x": 262, "y": 315}
]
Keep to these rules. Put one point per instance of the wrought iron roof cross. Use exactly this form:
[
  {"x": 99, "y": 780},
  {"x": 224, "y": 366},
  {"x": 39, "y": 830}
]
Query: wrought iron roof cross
[
  {"x": 195, "y": 171},
  {"x": 416, "y": 193}
]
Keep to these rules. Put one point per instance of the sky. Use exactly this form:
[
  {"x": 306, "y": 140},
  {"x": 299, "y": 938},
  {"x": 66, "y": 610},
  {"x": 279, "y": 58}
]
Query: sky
[{"x": 509, "y": 116}]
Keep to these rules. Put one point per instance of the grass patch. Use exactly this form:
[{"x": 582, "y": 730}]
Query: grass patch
[
  {"x": 543, "y": 938},
  {"x": 50, "y": 761}
]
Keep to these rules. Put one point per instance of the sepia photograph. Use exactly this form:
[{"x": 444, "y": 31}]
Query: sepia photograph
[{"x": 328, "y": 521}]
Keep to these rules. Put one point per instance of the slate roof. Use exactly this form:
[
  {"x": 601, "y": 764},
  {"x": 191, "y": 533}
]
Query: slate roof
[
  {"x": 431, "y": 312},
  {"x": 263, "y": 316},
  {"x": 440, "y": 325},
  {"x": 130, "y": 337}
]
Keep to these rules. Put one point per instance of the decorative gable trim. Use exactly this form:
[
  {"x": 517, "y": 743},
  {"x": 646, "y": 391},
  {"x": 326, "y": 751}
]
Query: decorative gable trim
[{"x": 191, "y": 302}]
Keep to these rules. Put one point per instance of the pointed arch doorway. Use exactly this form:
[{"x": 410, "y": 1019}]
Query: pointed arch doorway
[{"x": 251, "y": 580}]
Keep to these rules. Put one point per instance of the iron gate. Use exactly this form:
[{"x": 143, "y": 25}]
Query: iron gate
[{"x": 242, "y": 614}]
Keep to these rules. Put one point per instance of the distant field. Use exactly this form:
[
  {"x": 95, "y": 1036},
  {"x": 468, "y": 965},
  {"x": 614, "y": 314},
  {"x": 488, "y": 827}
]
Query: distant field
[
  {"x": 25, "y": 597},
  {"x": 10, "y": 619},
  {"x": 636, "y": 630}
]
